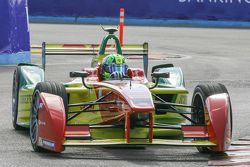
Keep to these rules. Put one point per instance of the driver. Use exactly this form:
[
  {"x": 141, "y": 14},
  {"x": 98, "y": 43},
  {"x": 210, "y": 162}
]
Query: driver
[{"x": 113, "y": 67}]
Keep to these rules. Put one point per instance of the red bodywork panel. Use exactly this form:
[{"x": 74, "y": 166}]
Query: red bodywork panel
[
  {"x": 51, "y": 122},
  {"x": 135, "y": 96},
  {"x": 136, "y": 74},
  {"x": 52, "y": 129},
  {"x": 93, "y": 75},
  {"x": 87, "y": 46},
  {"x": 219, "y": 127},
  {"x": 77, "y": 131},
  {"x": 190, "y": 131}
]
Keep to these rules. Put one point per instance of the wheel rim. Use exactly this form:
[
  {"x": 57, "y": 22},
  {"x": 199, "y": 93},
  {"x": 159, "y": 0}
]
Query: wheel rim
[
  {"x": 229, "y": 115},
  {"x": 199, "y": 115},
  {"x": 34, "y": 118}
]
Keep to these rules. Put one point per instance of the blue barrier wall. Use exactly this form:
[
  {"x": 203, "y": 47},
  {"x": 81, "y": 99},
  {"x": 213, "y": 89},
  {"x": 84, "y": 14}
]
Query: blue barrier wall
[
  {"x": 14, "y": 43},
  {"x": 231, "y": 10}
]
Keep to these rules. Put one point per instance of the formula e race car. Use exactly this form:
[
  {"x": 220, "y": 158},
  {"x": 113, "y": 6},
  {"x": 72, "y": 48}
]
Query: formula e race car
[{"x": 122, "y": 110}]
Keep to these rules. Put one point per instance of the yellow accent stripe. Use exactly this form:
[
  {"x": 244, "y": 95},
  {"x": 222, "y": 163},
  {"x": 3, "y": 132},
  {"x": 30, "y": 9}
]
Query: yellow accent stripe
[
  {"x": 76, "y": 89},
  {"x": 54, "y": 45},
  {"x": 169, "y": 90},
  {"x": 137, "y": 142},
  {"x": 37, "y": 49}
]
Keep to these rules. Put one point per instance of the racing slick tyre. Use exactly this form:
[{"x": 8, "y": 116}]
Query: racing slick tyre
[
  {"x": 46, "y": 87},
  {"x": 15, "y": 95},
  {"x": 201, "y": 92}
]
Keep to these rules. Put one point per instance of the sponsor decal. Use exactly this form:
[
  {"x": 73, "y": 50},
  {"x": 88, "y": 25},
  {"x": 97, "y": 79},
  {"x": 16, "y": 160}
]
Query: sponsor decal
[
  {"x": 48, "y": 143},
  {"x": 100, "y": 93},
  {"x": 25, "y": 99},
  {"x": 40, "y": 106},
  {"x": 41, "y": 123}
]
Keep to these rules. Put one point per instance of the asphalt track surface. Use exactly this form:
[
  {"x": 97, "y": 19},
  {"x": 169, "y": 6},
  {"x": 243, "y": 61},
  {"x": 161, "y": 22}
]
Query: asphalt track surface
[{"x": 205, "y": 55}]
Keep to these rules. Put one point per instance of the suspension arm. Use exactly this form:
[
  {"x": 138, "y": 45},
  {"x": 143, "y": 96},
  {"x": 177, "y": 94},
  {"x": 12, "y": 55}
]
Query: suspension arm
[
  {"x": 88, "y": 106},
  {"x": 92, "y": 103}
]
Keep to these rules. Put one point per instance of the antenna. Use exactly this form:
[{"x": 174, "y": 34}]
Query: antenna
[{"x": 102, "y": 27}]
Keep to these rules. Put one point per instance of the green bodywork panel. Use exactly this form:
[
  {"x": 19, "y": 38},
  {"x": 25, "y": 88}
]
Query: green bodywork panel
[
  {"x": 105, "y": 42},
  {"x": 30, "y": 76},
  {"x": 24, "y": 105}
]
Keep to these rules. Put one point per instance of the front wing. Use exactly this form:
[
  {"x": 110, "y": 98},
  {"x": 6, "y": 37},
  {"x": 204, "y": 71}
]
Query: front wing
[{"x": 118, "y": 142}]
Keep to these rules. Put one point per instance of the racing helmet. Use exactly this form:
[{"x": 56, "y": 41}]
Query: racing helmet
[{"x": 113, "y": 66}]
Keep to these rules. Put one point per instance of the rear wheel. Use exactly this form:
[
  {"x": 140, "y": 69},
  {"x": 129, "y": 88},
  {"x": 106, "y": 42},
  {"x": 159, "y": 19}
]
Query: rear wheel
[
  {"x": 46, "y": 87},
  {"x": 201, "y": 92},
  {"x": 15, "y": 97}
]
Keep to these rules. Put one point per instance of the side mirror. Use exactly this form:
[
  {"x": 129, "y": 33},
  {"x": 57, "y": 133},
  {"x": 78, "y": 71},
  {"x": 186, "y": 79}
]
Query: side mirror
[
  {"x": 82, "y": 74},
  {"x": 160, "y": 75},
  {"x": 161, "y": 66}
]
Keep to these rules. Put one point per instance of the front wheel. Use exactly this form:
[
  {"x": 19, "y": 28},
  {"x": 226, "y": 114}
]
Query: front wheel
[
  {"x": 46, "y": 87},
  {"x": 15, "y": 98},
  {"x": 34, "y": 122},
  {"x": 201, "y": 93}
]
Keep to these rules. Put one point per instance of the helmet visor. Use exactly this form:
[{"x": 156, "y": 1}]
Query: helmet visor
[{"x": 122, "y": 68}]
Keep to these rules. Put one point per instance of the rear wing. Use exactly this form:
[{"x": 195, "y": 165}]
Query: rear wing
[{"x": 94, "y": 50}]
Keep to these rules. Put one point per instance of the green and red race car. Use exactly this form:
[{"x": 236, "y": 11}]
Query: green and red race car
[{"x": 124, "y": 110}]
